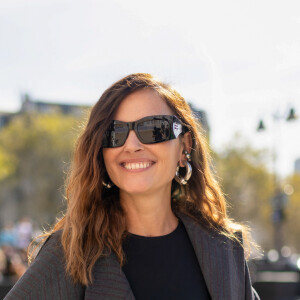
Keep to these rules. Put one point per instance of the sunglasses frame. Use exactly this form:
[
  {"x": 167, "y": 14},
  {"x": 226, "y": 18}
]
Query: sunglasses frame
[{"x": 176, "y": 126}]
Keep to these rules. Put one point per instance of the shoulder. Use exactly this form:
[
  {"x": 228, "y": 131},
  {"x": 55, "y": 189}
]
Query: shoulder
[
  {"x": 211, "y": 240},
  {"x": 198, "y": 224},
  {"x": 51, "y": 247},
  {"x": 46, "y": 277},
  {"x": 220, "y": 255}
]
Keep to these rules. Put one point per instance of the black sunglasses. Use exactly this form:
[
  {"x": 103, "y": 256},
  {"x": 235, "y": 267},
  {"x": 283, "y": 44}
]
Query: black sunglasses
[{"x": 149, "y": 130}]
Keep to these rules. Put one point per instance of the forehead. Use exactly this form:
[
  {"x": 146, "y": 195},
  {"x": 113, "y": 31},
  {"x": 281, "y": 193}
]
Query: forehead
[{"x": 141, "y": 104}]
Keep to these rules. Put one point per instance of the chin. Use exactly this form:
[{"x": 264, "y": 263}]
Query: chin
[
  {"x": 136, "y": 188},
  {"x": 136, "y": 191}
]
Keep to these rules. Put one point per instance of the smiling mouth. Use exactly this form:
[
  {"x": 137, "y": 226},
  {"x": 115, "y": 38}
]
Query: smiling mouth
[{"x": 137, "y": 166}]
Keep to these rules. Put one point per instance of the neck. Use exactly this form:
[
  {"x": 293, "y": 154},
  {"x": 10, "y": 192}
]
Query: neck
[{"x": 149, "y": 215}]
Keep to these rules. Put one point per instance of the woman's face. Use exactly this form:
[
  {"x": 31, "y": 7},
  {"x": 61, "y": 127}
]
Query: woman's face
[{"x": 158, "y": 161}]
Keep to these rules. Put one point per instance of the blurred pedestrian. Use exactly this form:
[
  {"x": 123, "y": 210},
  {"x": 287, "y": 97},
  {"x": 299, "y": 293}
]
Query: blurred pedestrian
[
  {"x": 24, "y": 233},
  {"x": 8, "y": 235}
]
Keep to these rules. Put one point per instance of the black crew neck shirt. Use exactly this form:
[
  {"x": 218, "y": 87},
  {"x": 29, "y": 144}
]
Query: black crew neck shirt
[{"x": 164, "y": 267}]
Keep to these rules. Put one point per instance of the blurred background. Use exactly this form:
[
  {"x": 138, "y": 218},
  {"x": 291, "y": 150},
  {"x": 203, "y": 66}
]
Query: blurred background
[{"x": 238, "y": 65}]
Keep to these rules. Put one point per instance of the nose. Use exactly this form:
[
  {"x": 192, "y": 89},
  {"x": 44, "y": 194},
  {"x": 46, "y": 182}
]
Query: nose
[{"x": 132, "y": 143}]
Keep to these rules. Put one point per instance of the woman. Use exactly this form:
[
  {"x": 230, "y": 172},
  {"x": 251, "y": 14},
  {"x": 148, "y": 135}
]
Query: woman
[{"x": 145, "y": 217}]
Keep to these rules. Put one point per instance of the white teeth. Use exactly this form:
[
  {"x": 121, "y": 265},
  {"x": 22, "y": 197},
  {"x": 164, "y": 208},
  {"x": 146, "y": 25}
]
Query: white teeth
[{"x": 134, "y": 166}]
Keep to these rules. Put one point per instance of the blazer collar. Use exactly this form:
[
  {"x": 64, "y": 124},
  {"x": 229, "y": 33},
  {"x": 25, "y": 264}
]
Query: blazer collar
[
  {"x": 214, "y": 253},
  {"x": 219, "y": 259}
]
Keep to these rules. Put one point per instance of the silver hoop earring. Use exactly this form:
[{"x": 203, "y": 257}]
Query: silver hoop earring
[
  {"x": 107, "y": 185},
  {"x": 188, "y": 174}
]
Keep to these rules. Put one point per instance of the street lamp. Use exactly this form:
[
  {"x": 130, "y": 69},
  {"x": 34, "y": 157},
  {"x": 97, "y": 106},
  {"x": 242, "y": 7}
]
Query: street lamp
[
  {"x": 292, "y": 116},
  {"x": 261, "y": 126},
  {"x": 280, "y": 198}
]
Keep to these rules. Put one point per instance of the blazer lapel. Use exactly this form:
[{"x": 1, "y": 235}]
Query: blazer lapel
[
  {"x": 221, "y": 264},
  {"x": 110, "y": 282}
]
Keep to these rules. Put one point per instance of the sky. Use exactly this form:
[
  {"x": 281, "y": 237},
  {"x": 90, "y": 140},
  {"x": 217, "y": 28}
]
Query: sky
[{"x": 237, "y": 60}]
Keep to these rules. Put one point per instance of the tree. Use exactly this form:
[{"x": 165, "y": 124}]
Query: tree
[
  {"x": 248, "y": 186},
  {"x": 34, "y": 153}
]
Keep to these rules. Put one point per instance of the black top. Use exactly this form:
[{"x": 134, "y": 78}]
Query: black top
[{"x": 164, "y": 267}]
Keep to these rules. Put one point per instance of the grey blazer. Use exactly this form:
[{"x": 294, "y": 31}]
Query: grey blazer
[{"x": 222, "y": 262}]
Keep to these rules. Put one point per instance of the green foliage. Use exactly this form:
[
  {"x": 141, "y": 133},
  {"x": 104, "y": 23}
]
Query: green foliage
[
  {"x": 7, "y": 163},
  {"x": 247, "y": 185},
  {"x": 34, "y": 151}
]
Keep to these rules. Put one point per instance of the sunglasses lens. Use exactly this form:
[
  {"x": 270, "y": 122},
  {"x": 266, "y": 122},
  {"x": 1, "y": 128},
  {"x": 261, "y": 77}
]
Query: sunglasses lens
[
  {"x": 153, "y": 131},
  {"x": 117, "y": 134}
]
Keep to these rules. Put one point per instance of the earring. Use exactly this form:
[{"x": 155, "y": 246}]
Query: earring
[
  {"x": 188, "y": 174},
  {"x": 107, "y": 185},
  {"x": 188, "y": 155}
]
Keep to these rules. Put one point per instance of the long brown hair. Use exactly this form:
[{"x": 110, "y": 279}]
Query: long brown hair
[{"x": 94, "y": 224}]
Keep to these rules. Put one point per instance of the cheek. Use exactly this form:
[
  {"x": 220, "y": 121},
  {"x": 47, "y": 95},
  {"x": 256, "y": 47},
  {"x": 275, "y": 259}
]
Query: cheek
[{"x": 171, "y": 156}]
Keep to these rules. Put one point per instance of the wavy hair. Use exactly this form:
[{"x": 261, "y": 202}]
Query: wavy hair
[{"x": 94, "y": 223}]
